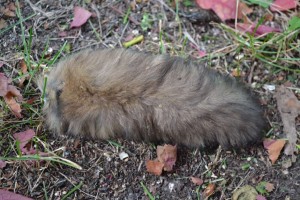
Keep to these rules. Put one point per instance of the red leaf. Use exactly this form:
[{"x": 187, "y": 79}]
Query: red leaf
[
  {"x": 4, "y": 194},
  {"x": 24, "y": 137},
  {"x": 167, "y": 155},
  {"x": 225, "y": 9},
  {"x": 282, "y": 5},
  {"x": 196, "y": 180},
  {"x": 154, "y": 167},
  {"x": 262, "y": 29},
  {"x": 80, "y": 16}
]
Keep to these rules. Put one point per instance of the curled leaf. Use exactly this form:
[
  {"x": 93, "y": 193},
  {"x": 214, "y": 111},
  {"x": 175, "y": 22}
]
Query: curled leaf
[
  {"x": 154, "y": 167},
  {"x": 209, "y": 190}
]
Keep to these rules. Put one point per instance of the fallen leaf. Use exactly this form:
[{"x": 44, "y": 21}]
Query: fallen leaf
[
  {"x": 196, "y": 180},
  {"x": 261, "y": 29},
  {"x": 23, "y": 67},
  {"x": 3, "y": 84},
  {"x": 13, "y": 105},
  {"x": 2, "y": 165},
  {"x": 262, "y": 187},
  {"x": 245, "y": 192},
  {"x": 209, "y": 190},
  {"x": 4, "y": 194},
  {"x": 24, "y": 137},
  {"x": 3, "y": 23},
  {"x": 268, "y": 142},
  {"x": 274, "y": 149},
  {"x": 154, "y": 167},
  {"x": 8, "y": 13},
  {"x": 12, "y": 6},
  {"x": 269, "y": 187},
  {"x": 225, "y": 9},
  {"x": 289, "y": 108},
  {"x": 31, "y": 100},
  {"x": 9, "y": 92},
  {"x": 81, "y": 16},
  {"x": 282, "y": 5},
  {"x": 167, "y": 155}
]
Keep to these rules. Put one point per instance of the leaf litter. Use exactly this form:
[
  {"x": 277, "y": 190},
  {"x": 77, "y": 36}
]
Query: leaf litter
[
  {"x": 10, "y": 93},
  {"x": 165, "y": 161}
]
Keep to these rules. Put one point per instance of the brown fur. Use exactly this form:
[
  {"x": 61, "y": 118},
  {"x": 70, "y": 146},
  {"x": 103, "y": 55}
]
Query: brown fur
[{"x": 114, "y": 93}]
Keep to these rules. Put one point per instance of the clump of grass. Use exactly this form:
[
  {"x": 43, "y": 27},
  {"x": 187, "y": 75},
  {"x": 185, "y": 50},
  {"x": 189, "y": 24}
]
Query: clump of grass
[{"x": 278, "y": 51}]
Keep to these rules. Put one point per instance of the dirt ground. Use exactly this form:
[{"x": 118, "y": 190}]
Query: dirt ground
[{"x": 104, "y": 174}]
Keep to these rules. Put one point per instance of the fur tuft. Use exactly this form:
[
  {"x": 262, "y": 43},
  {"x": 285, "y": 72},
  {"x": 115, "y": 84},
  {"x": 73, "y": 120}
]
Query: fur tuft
[{"x": 115, "y": 93}]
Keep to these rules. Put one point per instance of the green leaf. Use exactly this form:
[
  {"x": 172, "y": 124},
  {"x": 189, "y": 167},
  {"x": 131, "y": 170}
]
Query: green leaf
[
  {"x": 246, "y": 166},
  {"x": 261, "y": 188},
  {"x": 294, "y": 23},
  {"x": 262, "y": 3},
  {"x": 188, "y": 3},
  {"x": 145, "y": 24}
]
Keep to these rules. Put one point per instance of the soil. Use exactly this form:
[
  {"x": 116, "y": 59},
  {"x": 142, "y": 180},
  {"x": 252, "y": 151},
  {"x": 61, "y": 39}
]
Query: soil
[{"x": 104, "y": 175}]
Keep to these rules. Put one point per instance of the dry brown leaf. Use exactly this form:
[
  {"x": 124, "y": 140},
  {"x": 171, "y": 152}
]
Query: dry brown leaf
[
  {"x": 269, "y": 187},
  {"x": 13, "y": 105},
  {"x": 9, "y": 92},
  {"x": 3, "y": 84},
  {"x": 7, "y": 12},
  {"x": 274, "y": 148},
  {"x": 289, "y": 108},
  {"x": 167, "y": 155},
  {"x": 154, "y": 167},
  {"x": 3, "y": 23},
  {"x": 196, "y": 180},
  {"x": 23, "y": 67},
  {"x": 209, "y": 190}
]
